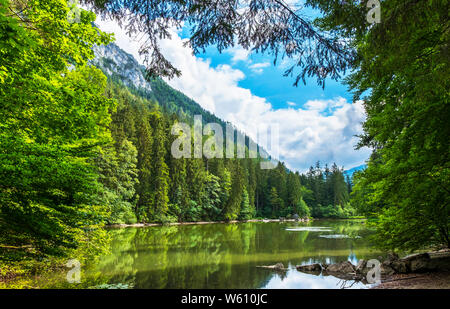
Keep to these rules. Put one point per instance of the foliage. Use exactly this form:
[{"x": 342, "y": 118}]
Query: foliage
[
  {"x": 53, "y": 116},
  {"x": 269, "y": 26},
  {"x": 212, "y": 189},
  {"x": 402, "y": 75},
  {"x": 327, "y": 192},
  {"x": 118, "y": 175},
  {"x": 302, "y": 209},
  {"x": 247, "y": 211}
]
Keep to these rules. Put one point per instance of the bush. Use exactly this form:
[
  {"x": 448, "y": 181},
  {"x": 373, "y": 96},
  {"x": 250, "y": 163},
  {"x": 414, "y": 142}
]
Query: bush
[{"x": 302, "y": 209}]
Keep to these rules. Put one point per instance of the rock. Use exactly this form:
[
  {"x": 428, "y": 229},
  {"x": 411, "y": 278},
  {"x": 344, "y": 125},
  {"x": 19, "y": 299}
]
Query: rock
[
  {"x": 391, "y": 257},
  {"x": 387, "y": 270},
  {"x": 277, "y": 267},
  {"x": 399, "y": 266},
  {"x": 343, "y": 267},
  {"x": 387, "y": 267},
  {"x": 417, "y": 262},
  {"x": 361, "y": 267},
  {"x": 312, "y": 267},
  {"x": 439, "y": 261}
]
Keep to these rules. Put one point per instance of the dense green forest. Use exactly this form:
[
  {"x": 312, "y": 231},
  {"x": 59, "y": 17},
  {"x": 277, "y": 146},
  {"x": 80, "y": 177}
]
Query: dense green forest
[
  {"x": 162, "y": 188},
  {"x": 78, "y": 152},
  {"x": 402, "y": 74}
]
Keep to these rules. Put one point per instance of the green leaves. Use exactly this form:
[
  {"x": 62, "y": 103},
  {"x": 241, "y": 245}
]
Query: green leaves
[
  {"x": 402, "y": 69},
  {"x": 53, "y": 117}
]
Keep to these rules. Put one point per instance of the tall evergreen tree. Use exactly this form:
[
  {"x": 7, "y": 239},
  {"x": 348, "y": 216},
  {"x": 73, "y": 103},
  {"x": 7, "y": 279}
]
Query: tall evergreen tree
[
  {"x": 145, "y": 152},
  {"x": 233, "y": 206},
  {"x": 160, "y": 179}
]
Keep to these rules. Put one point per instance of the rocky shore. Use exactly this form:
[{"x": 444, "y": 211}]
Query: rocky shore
[
  {"x": 429, "y": 280},
  {"x": 423, "y": 267}
]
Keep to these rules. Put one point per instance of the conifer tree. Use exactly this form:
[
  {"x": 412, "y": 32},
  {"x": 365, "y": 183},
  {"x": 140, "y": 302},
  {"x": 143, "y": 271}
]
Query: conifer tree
[
  {"x": 160, "y": 179},
  {"x": 145, "y": 152}
]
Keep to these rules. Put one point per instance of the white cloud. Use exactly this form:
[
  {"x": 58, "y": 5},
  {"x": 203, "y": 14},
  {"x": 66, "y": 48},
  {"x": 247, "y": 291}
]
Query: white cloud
[
  {"x": 130, "y": 45},
  {"x": 322, "y": 130},
  {"x": 238, "y": 54},
  {"x": 291, "y": 103},
  {"x": 259, "y": 67},
  {"x": 307, "y": 135},
  {"x": 325, "y": 106}
]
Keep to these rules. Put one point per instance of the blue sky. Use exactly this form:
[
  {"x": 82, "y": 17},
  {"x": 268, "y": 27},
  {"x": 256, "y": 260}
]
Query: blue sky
[
  {"x": 250, "y": 92},
  {"x": 270, "y": 83}
]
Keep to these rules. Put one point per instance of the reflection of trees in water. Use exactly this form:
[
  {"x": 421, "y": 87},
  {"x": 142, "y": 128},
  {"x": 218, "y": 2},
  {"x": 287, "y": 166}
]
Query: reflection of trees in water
[
  {"x": 316, "y": 249},
  {"x": 217, "y": 255},
  {"x": 119, "y": 264}
]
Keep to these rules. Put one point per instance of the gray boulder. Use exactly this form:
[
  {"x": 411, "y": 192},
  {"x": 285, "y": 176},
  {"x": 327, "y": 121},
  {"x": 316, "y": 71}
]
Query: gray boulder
[
  {"x": 361, "y": 267},
  {"x": 387, "y": 270},
  {"x": 417, "y": 262},
  {"x": 343, "y": 267},
  {"x": 311, "y": 267},
  {"x": 439, "y": 261},
  {"x": 400, "y": 266},
  {"x": 392, "y": 257},
  {"x": 276, "y": 267}
]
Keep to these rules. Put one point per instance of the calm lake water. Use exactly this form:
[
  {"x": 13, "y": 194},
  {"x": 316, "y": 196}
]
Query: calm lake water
[{"x": 227, "y": 255}]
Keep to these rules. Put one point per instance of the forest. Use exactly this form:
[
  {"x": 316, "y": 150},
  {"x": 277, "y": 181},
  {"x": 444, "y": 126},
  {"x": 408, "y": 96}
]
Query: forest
[
  {"x": 79, "y": 151},
  {"x": 155, "y": 187}
]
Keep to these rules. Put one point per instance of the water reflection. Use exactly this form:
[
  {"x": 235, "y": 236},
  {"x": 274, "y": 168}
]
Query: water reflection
[
  {"x": 298, "y": 280},
  {"x": 226, "y": 255}
]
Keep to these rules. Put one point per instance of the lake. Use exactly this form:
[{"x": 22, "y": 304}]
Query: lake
[{"x": 227, "y": 255}]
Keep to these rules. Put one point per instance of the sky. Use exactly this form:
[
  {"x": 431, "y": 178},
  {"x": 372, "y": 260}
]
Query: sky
[{"x": 248, "y": 90}]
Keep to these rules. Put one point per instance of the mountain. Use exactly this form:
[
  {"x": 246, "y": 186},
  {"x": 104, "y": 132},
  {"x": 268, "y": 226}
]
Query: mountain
[
  {"x": 122, "y": 68},
  {"x": 115, "y": 62},
  {"x": 351, "y": 171}
]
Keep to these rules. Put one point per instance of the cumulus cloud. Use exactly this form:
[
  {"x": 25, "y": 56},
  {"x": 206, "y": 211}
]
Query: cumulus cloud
[
  {"x": 238, "y": 54},
  {"x": 307, "y": 134},
  {"x": 130, "y": 45},
  {"x": 320, "y": 130},
  {"x": 258, "y": 68}
]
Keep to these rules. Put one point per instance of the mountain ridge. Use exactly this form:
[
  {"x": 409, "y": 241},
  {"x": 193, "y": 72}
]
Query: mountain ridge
[{"x": 122, "y": 68}]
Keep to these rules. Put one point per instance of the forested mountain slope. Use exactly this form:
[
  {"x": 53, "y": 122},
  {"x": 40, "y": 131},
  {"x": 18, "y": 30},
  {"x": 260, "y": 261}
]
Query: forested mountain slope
[
  {"x": 158, "y": 187},
  {"x": 123, "y": 68}
]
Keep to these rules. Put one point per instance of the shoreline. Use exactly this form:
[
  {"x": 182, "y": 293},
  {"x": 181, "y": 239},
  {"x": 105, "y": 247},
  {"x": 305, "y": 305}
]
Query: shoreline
[
  {"x": 426, "y": 280},
  {"x": 112, "y": 226}
]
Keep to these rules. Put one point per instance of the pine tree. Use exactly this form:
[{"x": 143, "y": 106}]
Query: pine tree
[
  {"x": 276, "y": 202},
  {"x": 232, "y": 208},
  {"x": 145, "y": 152},
  {"x": 247, "y": 211},
  {"x": 339, "y": 186},
  {"x": 160, "y": 183}
]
